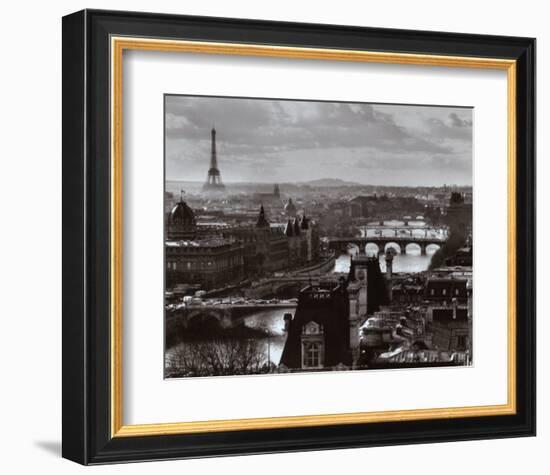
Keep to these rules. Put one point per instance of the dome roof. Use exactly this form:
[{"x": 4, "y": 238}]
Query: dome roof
[
  {"x": 182, "y": 214},
  {"x": 290, "y": 206}
]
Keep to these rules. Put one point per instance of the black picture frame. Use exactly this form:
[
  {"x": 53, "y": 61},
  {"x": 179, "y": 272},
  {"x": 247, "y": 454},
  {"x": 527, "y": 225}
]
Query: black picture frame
[{"x": 86, "y": 225}]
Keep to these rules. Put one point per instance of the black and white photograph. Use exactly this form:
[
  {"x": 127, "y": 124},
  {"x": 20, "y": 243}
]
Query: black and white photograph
[{"x": 305, "y": 236}]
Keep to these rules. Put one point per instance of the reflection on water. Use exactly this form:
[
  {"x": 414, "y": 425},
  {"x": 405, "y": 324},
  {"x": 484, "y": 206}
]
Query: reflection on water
[
  {"x": 408, "y": 263},
  {"x": 271, "y": 320},
  {"x": 412, "y": 261}
]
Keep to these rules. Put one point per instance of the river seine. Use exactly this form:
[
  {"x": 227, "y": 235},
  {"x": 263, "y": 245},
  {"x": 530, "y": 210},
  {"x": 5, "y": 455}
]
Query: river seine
[{"x": 271, "y": 320}]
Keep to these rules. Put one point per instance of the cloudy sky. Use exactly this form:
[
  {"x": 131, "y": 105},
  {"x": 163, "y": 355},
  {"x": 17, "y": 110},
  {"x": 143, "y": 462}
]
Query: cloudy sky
[{"x": 292, "y": 141}]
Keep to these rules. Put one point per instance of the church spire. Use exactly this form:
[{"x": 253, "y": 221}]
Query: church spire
[{"x": 262, "y": 221}]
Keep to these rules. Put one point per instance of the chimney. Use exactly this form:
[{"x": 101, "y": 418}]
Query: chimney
[
  {"x": 389, "y": 271},
  {"x": 287, "y": 318},
  {"x": 389, "y": 264}
]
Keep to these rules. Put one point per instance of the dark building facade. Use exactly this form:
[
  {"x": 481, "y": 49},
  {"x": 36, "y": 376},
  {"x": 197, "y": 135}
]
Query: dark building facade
[
  {"x": 269, "y": 199},
  {"x": 362, "y": 206},
  {"x": 290, "y": 209},
  {"x": 181, "y": 222},
  {"x": 459, "y": 213},
  {"x": 368, "y": 267},
  {"x": 209, "y": 262},
  {"x": 324, "y": 333},
  {"x": 195, "y": 258},
  {"x": 318, "y": 335},
  {"x": 448, "y": 311},
  {"x": 210, "y": 257},
  {"x": 407, "y": 292},
  {"x": 265, "y": 248},
  {"x": 462, "y": 257},
  {"x": 451, "y": 329},
  {"x": 444, "y": 290}
]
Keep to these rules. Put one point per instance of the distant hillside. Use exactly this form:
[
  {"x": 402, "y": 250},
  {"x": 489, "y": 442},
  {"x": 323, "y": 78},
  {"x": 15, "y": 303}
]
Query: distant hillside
[{"x": 328, "y": 182}]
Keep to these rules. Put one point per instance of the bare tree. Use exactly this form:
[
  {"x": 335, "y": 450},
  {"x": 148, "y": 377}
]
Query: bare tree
[{"x": 226, "y": 356}]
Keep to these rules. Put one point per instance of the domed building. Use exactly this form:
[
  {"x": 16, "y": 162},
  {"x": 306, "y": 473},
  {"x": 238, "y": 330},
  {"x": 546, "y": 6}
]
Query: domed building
[
  {"x": 197, "y": 259},
  {"x": 290, "y": 209},
  {"x": 181, "y": 223}
]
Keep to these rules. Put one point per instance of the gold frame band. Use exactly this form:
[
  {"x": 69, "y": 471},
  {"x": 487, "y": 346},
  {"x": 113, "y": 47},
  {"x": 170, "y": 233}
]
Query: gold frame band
[{"x": 118, "y": 46}]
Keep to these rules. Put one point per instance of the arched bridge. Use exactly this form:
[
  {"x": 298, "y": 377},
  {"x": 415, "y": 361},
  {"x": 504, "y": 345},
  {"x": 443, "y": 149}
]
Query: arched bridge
[
  {"x": 382, "y": 242},
  {"x": 413, "y": 231},
  {"x": 383, "y": 220},
  {"x": 224, "y": 316}
]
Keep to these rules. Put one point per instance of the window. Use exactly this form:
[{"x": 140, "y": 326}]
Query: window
[
  {"x": 444, "y": 291},
  {"x": 312, "y": 357},
  {"x": 312, "y": 328}
]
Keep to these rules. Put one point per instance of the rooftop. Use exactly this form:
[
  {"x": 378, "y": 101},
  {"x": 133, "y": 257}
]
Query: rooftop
[{"x": 205, "y": 242}]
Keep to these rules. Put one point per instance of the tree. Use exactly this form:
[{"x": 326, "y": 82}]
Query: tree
[{"x": 217, "y": 357}]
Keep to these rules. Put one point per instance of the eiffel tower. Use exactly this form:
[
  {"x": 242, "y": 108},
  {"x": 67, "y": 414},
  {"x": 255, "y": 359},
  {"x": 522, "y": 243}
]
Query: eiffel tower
[{"x": 214, "y": 178}]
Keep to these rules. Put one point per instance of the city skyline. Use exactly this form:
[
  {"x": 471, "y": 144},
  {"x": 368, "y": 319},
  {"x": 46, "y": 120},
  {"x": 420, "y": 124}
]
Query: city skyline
[
  {"x": 275, "y": 262},
  {"x": 274, "y": 140}
]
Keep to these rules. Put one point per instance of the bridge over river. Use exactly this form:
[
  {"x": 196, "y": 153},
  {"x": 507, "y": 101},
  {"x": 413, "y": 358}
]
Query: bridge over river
[
  {"x": 224, "y": 315},
  {"x": 398, "y": 241}
]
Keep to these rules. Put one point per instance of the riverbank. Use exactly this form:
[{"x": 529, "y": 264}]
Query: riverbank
[{"x": 326, "y": 265}]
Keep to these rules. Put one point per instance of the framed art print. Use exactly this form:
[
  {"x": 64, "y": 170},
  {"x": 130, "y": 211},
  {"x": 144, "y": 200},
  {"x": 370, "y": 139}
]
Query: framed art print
[{"x": 283, "y": 237}]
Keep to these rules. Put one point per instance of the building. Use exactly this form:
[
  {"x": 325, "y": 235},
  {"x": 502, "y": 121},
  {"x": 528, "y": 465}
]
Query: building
[
  {"x": 290, "y": 209},
  {"x": 273, "y": 199},
  {"x": 377, "y": 337},
  {"x": 459, "y": 213},
  {"x": 362, "y": 206},
  {"x": 181, "y": 222},
  {"x": 209, "y": 262},
  {"x": 195, "y": 257},
  {"x": 407, "y": 291},
  {"x": 265, "y": 247},
  {"x": 446, "y": 289},
  {"x": 462, "y": 257},
  {"x": 448, "y": 312},
  {"x": 272, "y": 248},
  {"x": 365, "y": 270},
  {"x": 318, "y": 334},
  {"x": 211, "y": 255},
  {"x": 414, "y": 357},
  {"x": 451, "y": 329},
  {"x": 325, "y": 330},
  {"x": 303, "y": 240},
  {"x": 296, "y": 242},
  {"x": 311, "y": 232}
]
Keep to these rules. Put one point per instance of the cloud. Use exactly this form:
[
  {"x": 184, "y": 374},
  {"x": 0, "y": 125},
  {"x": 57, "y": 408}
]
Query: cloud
[
  {"x": 258, "y": 138},
  {"x": 452, "y": 127},
  {"x": 458, "y": 122}
]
